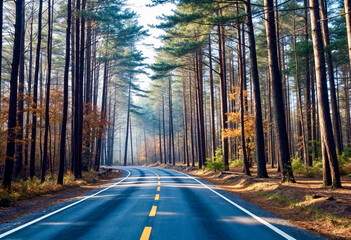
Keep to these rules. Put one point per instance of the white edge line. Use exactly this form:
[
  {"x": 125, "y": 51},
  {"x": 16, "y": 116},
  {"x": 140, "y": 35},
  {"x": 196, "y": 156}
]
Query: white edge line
[
  {"x": 267, "y": 224},
  {"x": 61, "y": 209}
]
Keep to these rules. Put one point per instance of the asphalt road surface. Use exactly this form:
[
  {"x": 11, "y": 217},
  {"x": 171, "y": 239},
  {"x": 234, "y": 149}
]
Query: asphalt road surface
[{"x": 151, "y": 203}]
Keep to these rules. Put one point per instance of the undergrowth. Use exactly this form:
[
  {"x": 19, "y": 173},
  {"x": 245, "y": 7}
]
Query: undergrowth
[
  {"x": 217, "y": 164},
  {"x": 32, "y": 187}
]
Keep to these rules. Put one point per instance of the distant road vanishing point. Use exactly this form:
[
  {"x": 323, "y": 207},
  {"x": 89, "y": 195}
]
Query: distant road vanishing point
[{"x": 152, "y": 203}]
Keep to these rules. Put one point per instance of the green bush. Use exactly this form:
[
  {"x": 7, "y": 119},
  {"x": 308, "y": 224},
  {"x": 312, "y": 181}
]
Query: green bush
[
  {"x": 236, "y": 163},
  {"x": 299, "y": 168},
  {"x": 216, "y": 165},
  {"x": 218, "y": 162},
  {"x": 344, "y": 163}
]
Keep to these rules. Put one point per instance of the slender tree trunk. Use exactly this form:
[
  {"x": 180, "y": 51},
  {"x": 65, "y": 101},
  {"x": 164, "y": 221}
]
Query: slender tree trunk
[
  {"x": 347, "y": 109},
  {"x": 322, "y": 94},
  {"x": 246, "y": 168},
  {"x": 185, "y": 126},
  {"x": 164, "y": 130},
  {"x": 65, "y": 97},
  {"x": 171, "y": 132},
  {"x": 128, "y": 121},
  {"x": 103, "y": 117},
  {"x": 145, "y": 146},
  {"x": 191, "y": 124},
  {"x": 328, "y": 56},
  {"x": 212, "y": 110},
  {"x": 1, "y": 23},
  {"x": 347, "y": 5},
  {"x": 159, "y": 136},
  {"x": 131, "y": 140},
  {"x": 26, "y": 149},
  {"x": 20, "y": 98},
  {"x": 278, "y": 103},
  {"x": 223, "y": 91},
  {"x": 259, "y": 135},
  {"x": 47, "y": 104},
  {"x": 35, "y": 94},
  {"x": 11, "y": 133},
  {"x": 308, "y": 88},
  {"x": 299, "y": 100}
]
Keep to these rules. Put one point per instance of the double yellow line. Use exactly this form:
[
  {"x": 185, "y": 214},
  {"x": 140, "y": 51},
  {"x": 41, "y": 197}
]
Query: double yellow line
[{"x": 147, "y": 230}]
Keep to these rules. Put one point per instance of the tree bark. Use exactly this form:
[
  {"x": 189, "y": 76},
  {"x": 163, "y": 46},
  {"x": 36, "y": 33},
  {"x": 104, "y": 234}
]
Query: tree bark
[
  {"x": 278, "y": 103},
  {"x": 11, "y": 133},
  {"x": 128, "y": 121},
  {"x": 259, "y": 135},
  {"x": 223, "y": 91},
  {"x": 47, "y": 104},
  {"x": 65, "y": 97},
  {"x": 330, "y": 69},
  {"x": 20, "y": 98},
  {"x": 322, "y": 94},
  {"x": 35, "y": 95}
]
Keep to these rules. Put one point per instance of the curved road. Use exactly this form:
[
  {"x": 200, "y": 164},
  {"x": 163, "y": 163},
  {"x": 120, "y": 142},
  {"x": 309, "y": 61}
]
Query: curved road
[{"x": 152, "y": 203}]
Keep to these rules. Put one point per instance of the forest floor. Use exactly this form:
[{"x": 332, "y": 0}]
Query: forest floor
[
  {"x": 23, "y": 207},
  {"x": 307, "y": 203}
]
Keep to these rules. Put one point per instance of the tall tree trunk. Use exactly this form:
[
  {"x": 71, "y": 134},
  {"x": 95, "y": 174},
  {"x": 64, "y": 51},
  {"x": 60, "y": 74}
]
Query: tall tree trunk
[
  {"x": 202, "y": 134},
  {"x": 159, "y": 135},
  {"x": 128, "y": 121},
  {"x": 35, "y": 94},
  {"x": 259, "y": 135},
  {"x": 26, "y": 149},
  {"x": 347, "y": 5},
  {"x": 278, "y": 103},
  {"x": 185, "y": 126},
  {"x": 171, "y": 132},
  {"x": 103, "y": 117},
  {"x": 223, "y": 91},
  {"x": 145, "y": 146},
  {"x": 65, "y": 97},
  {"x": 212, "y": 110},
  {"x": 76, "y": 150},
  {"x": 20, "y": 98},
  {"x": 299, "y": 100},
  {"x": 328, "y": 56},
  {"x": 131, "y": 140},
  {"x": 322, "y": 94},
  {"x": 164, "y": 130},
  {"x": 347, "y": 108},
  {"x": 191, "y": 124},
  {"x": 1, "y": 23},
  {"x": 246, "y": 168},
  {"x": 47, "y": 104},
  {"x": 11, "y": 133},
  {"x": 308, "y": 88}
]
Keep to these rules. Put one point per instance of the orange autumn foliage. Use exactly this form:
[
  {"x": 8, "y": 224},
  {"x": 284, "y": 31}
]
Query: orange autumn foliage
[{"x": 249, "y": 120}]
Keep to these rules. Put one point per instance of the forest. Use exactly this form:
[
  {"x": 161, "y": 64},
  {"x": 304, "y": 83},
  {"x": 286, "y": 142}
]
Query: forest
[{"x": 256, "y": 85}]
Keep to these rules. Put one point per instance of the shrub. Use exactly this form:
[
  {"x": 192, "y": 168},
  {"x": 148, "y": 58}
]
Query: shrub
[
  {"x": 344, "y": 163},
  {"x": 299, "y": 168},
  {"x": 216, "y": 165},
  {"x": 236, "y": 163}
]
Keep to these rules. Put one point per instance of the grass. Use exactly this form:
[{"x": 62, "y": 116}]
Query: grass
[{"x": 32, "y": 187}]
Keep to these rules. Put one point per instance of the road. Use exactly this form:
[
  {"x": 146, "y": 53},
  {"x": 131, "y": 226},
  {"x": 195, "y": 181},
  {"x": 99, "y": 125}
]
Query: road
[{"x": 152, "y": 203}]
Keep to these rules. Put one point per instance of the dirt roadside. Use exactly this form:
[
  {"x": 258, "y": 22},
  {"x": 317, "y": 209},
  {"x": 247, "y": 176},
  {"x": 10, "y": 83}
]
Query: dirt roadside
[{"x": 27, "y": 206}]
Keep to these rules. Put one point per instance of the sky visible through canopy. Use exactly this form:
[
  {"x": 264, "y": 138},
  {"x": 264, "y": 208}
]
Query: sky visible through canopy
[{"x": 148, "y": 16}]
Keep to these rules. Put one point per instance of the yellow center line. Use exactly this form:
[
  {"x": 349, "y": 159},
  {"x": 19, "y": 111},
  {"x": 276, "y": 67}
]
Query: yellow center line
[
  {"x": 153, "y": 211},
  {"x": 146, "y": 233},
  {"x": 158, "y": 177},
  {"x": 158, "y": 189},
  {"x": 159, "y": 183},
  {"x": 157, "y": 197}
]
